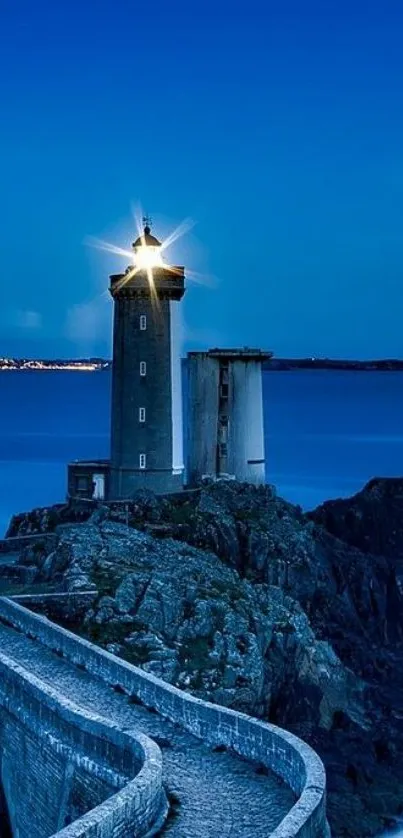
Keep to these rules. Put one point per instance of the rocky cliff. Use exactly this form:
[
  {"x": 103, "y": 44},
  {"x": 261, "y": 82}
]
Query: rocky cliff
[
  {"x": 372, "y": 520},
  {"x": 235, "y": 595}
]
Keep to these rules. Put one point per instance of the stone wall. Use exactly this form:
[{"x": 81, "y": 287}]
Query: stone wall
[
  {"x": 285, "y": 754},
  {"x": 202, "y": 415},
  {"x": 246, "y": 454},
  {"x": 73, "y": 764}
]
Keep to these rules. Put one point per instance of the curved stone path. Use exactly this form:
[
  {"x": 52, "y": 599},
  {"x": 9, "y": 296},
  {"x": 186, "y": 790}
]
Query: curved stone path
[{"x": 215, "y": 793}]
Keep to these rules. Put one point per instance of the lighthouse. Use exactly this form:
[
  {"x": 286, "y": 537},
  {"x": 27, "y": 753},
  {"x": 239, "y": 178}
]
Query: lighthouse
[
  {"x": 225, "y": 429},
  {"x": 146, "y": 420}
]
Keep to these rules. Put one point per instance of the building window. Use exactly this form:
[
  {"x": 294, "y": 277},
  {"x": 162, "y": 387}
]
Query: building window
[
  {"x": 142, "y": 461},
  {"x": 143, "y": 322},
  {"x": 223, "y": 433},
  {"x": 83, "y": 484},
  {"x": 223, "y": 450},
  {"x": 143, "y": 368},
  {"x": 142, "y": 414}
]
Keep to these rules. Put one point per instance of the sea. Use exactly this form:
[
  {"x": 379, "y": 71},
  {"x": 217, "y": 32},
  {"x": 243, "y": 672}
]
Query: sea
[{"x": 326, "y": 433}]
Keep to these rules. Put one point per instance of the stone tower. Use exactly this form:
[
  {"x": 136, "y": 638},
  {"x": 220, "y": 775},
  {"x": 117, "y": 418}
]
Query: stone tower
[{"x": 146, "y": 428}]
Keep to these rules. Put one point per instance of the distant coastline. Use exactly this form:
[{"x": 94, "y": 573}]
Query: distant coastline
[
  {"x": 52, "y": 364},
  {"x": 272, "y": 365},
  {"x": 380, "y": 365}
]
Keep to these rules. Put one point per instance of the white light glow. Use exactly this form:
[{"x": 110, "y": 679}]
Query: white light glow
[{"x": 147, "y": 257}]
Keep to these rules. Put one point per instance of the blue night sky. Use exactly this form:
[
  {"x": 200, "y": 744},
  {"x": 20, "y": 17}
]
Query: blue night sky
[{"x": 277, "y": 127}]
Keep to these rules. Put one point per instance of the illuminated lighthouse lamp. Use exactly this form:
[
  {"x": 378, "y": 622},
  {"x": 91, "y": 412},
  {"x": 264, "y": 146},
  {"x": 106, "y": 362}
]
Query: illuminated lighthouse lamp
[{"x": 147, "y": 251}]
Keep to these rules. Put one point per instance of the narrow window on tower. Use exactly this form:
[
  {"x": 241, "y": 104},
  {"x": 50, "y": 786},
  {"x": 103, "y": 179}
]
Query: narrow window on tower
[
  {"x": 143, "y": 322},
  {"x": 142, "y": 461},
  {"x": 143, "y": 367},
  {"x": 142, "y": 414}
]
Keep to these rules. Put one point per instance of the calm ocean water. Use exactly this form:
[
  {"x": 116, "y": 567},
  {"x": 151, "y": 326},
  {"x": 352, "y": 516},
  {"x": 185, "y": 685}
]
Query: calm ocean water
[{"x": 326, "y": 433}]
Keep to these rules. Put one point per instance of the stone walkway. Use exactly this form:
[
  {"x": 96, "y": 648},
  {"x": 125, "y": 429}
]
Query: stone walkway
[{"x": 217, "y": 793}]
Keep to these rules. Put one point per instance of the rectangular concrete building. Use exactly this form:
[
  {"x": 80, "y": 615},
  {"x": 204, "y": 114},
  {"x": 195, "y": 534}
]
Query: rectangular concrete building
[{"x": 225, "y": 435}]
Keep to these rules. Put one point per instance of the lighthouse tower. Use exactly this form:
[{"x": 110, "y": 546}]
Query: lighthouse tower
[{"x": 146, "y": 428}]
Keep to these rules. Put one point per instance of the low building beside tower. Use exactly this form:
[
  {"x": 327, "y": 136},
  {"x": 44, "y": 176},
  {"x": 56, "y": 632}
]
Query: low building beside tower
[{"x": 225, "y": 436}]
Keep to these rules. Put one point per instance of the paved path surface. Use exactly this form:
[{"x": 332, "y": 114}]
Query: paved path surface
[{"x": 218, "y": 794}]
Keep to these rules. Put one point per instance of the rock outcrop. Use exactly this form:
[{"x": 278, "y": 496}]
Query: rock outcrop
[
  {"x": 235, "y": 595},
  {"x": 372, "y": 520}
]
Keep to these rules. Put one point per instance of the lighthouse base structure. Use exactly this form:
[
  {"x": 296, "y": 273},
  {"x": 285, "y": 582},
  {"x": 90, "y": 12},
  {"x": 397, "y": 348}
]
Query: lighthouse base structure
[
  {"x": 124, "y": 483},
  {"x": 96, "y": 480}
]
